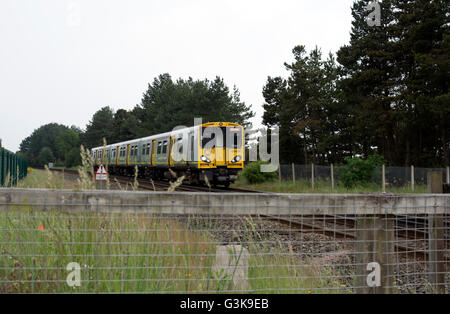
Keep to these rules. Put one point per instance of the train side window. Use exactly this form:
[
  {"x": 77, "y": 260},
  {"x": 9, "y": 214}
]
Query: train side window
[
  {"x": 192, "y": 146},
  {"x": 159, "y": 148},
  {"x": 180, "y": 145},
  {"x": 143, "y": 149},
  {"x": 164, "y": 148},
  {"x": 148, "y": 149}
]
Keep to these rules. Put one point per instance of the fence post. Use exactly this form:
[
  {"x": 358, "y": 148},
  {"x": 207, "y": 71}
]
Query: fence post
[
  {"x": 293, "y": 173},
  {"x": 374, "y": 254},
  {"x": 232, "y": 263},
  {"x": 383, "y": 179},
  {"x": 448, "y": 175},
  {"x": 412, "y": 178},
  {"x": 436, "y": 240},
  {"x": 332, "y": 177},
  {"x": 279, "y": 173},
  {"x": 312, "y": 175}
]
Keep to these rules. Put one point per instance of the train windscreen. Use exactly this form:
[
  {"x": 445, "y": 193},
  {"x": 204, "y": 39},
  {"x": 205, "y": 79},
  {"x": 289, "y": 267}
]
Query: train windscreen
[{"x": 231, "y": 137}]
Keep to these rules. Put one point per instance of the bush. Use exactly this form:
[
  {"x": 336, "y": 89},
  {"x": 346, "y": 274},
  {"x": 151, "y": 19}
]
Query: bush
[
  {"x": 252, "y": 173},
  {"x": 73, "y": 158},
  {"x": 358, "y": 171},
  {"x": 45, "y": 156}
]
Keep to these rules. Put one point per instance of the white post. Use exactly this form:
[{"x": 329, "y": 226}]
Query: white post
[
  {"x": 448, "y": 175},
  {"x": 312, "y": 175},
  {"x": 293, "y": 173},
  {"x": 383, "y": 174},
  {"x": 232, "y": 263},
  {"x": 279, "y": 173},
  {"x": 412, "y": 178},
  {"x": 332, "y": 177}
]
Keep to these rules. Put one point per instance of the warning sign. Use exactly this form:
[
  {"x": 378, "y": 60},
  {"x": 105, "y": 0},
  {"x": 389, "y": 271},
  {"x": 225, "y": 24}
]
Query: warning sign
[{"x": 101, "y": 174}]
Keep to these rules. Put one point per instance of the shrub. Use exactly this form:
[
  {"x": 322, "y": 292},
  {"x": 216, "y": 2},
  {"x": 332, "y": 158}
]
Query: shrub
[
  {"x": 358, "y": 171},
  {"x": 252, "y": 173}
]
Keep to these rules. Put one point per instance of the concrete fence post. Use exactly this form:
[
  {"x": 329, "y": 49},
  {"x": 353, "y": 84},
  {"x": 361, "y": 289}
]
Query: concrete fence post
[
  {"x": 374, "y": 254},
  {"x": 436, "y": 238},
  {"x": 383, "y": 178},
  {"x": 448, "y": 175},
  {"x": 232, "y": 265},
  {"x": 412, "y": 178}
]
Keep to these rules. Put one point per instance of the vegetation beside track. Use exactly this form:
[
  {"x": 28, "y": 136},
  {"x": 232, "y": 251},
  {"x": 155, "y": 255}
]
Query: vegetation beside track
[
  {"x": 304, "y": 186},
  {"x": 132, "y": 252}
]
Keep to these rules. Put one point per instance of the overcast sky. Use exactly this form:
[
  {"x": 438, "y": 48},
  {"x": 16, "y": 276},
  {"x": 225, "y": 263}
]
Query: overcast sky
[{"x": 62, "y": 60}]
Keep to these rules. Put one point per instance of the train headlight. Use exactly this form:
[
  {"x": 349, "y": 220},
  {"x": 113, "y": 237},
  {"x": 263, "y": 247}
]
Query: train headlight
[
  {"x": 236, "y": 159},
  {"x": 204, "y": 159}
]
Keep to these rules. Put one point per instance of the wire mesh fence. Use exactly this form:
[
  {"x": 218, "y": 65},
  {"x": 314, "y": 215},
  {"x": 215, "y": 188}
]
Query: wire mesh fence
[
  {"x": 116, "y": 241},
  {"x": 395, "y": 177}
]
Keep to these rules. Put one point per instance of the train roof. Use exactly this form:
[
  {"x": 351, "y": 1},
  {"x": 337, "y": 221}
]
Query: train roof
[
  {"x": 152, "y": 137},
  {"x": 143, "y": 139}
]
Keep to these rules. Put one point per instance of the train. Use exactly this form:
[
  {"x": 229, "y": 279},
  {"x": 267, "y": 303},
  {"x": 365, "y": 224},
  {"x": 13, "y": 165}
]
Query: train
[
  {"x": 209, "y": 153},
  {"x": 12, "y": 168}
]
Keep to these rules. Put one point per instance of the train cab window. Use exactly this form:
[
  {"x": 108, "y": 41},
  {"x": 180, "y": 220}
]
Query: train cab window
[{"x": 164, "y": 147}]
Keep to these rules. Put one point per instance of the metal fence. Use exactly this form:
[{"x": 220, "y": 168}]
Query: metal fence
[
  {"x": 158, "y": 242},
  {"x": 12, "y": 168},
  {"x": 331, "y": 175}
]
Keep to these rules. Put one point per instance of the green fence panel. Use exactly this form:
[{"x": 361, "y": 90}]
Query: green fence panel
[{"x": 13, "y": 167}]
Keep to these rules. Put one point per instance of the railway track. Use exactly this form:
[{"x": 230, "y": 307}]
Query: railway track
[{"x": 407, "y": 228}]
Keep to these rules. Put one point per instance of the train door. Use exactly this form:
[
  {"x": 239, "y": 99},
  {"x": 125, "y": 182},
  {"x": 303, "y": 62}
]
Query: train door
[
  {"x": 170, "y": 153},
  {"x": 148, "y": 150},
  {"x": 128, "y": 155},
  {"x": 153, "y": 153}
]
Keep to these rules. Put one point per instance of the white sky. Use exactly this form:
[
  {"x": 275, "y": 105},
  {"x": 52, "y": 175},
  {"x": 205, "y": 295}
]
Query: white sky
[{"x": 60, "y": 66}]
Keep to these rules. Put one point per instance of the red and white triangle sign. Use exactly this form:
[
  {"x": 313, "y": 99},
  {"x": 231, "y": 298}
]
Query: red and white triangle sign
[{"x": 101, "y": 174}]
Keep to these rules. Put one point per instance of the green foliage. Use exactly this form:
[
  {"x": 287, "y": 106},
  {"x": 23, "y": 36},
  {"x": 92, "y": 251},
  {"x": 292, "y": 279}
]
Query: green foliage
[
  {"x": 167, "y": 104},
  {"x": 358, "y": 171},
  {"x": 59, "y": 139},
  {"x": 389, "y": 90},
  {"x": 101, "y": 126},
  {"x": 73, "y": 157},
  {"x": 45, "y": 156},
  {"x": 253, "y": 175}
]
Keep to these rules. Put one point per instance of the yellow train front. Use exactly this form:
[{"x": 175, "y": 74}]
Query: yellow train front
[{"x": 211, "y": 153}]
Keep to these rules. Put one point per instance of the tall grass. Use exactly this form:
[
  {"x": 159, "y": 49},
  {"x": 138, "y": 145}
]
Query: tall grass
[{"x": 135, "y": 253}]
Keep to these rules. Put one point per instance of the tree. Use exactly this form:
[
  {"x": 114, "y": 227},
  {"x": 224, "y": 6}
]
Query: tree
[
  {"x": 44, "y": 136},
  {"x": 422, "y": 34},
  {"x": 167, "y": 104},
  {"x": 395, "y": 80},
  {"x": 304, "y": 107},
  {"x": 73, "y": 157},
  {"x": 369, "y": 79},
  {"x": 124, "y": 126},
  {"x": 101, "y": 126},
  {"x": 45, "y": 156},
  {"x": 66, "y": 142}
]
